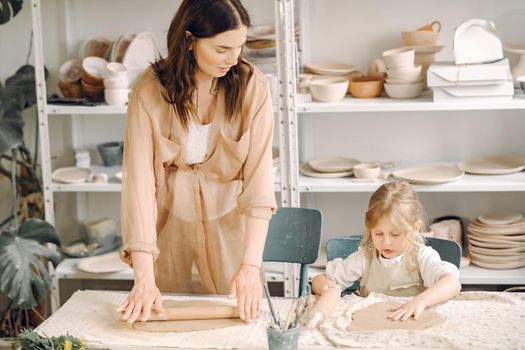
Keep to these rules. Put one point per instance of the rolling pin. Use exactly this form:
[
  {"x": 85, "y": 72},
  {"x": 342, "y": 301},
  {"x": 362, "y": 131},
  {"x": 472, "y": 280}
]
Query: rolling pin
[
  {"x": 323, "y": 308},
  {"x": 195, "y": 313}
]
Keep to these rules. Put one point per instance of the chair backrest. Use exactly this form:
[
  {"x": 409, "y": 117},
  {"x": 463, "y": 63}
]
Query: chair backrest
[
  {"x": 294, "y": 236},
  {"x": 342, "y": 247},
  {"x": 448, "y": 250}
]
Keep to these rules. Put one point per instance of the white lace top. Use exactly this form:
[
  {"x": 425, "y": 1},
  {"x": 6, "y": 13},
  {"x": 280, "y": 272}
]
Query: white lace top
[{"x": 198, "y": 138}]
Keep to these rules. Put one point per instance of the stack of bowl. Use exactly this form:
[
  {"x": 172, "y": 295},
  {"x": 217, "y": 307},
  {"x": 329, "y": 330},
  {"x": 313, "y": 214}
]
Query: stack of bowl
[
  {"x": 424, "y": 42},
  {"x": 497, "y": 240},
  {"x": 116, "y": 83},
  {"x": 404, "y": 78},
  {"x": 92, "y": 78},
  {"x": 69, "y": 78}
]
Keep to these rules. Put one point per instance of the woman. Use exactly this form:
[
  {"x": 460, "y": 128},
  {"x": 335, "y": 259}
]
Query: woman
[{"x": 197, "y": 180}]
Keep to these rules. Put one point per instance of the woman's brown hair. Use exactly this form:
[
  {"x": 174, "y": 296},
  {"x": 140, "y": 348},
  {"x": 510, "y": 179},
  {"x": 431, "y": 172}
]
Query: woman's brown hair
[{"x": 176, "y": 72}]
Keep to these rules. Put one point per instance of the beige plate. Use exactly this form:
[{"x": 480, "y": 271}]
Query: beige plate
[
  {"x": 71, "y": 175},
  {"x": 519, "y": 223},
  {"x": 496, "y": 266},
  {"x": 516, "y": 235},
  {"x": 507, "y": 243},
  {"x": 330, "y": 68},
  {"x": 498, "y": 259},
  {"x": 103, "y": 263},
  {"x": 492, "y": 245},
  {"x": 305, "y": 169},
  {"x": 333, "y": 165},
  {"x": 499, "y": 218},
  {"x": 433, "y": 174},
  {"x": 493, "y": 165},
  {"x": 496, "y": 251}
]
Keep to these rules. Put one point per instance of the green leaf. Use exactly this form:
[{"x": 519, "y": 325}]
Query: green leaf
[
  {"x": 9, "y": 9},
  {"x": 38, "y": 230},
  {"x": 23, "y": 276}
]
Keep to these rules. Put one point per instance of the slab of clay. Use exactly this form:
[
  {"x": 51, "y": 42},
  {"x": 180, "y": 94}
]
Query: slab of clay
[
  {"x": 375, "y": 317},
  {"x": 188, "y": 325}
]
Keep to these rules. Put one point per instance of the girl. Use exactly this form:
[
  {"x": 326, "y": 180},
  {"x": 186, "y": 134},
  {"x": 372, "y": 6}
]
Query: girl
[
  {"x": 197, "y": 191},
  {"x": 392, "y": 258}
]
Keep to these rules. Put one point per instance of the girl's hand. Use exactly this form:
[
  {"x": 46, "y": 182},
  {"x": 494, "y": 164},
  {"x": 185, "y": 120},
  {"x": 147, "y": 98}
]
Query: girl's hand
[
  {"x": 140, "y": 300},
  {"x": 246, "y": 286},
  {"x": 413, "y": 308}
]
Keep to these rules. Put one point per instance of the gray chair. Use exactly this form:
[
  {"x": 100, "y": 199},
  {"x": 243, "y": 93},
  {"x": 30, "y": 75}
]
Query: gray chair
[
  {"x": 294, "y": 236},
  {"x": 342, "y": 247}
]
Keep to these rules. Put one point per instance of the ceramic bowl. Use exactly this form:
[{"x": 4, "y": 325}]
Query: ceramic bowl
[
  {"x": 329, "y": 89},
  {"x": 93, "y": 70},
  {"x": 420, "y": 38},
  {"x": 94, "y": 93},
  {"x": 116, "y": 97},
  {"x": 407, "y": 74},
  {"x": 367, "y": 170},
  {"x": 70, "y": 90},
  {"x": 95, "y": 47},
  {"x": 403, "y": 91},
  {"x": 366, "y": 87},
  {"x": 399, "y": 58},
  {"x": 116, "y": 69},
  {"x": 70, "y": 71}
]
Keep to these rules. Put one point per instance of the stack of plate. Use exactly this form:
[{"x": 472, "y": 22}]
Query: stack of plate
[
  {"x": 329, "y": 167},
  {"x": 497, "y": 240}
]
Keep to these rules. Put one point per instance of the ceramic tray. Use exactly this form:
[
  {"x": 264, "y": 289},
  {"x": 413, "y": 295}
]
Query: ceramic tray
[
  {"x": 500, "y": 218},
  {"x": 333, "y": 165},
  {"x": 305, "y": 169},
  {"x": 103, "y": 264},
  {"x": 493, "y": 165},
  {"x": 432, "y": 174},
  {"x": 71, "y": 175}
]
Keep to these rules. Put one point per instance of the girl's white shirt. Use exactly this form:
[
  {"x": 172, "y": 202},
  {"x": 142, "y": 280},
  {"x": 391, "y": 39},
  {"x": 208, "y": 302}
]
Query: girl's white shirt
[
  {"x": 198, "y": 139},
  {"x": 432, "y": 268}
]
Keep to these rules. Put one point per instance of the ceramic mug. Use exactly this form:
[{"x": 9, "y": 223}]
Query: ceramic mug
[{"x": 110, "y": 152}]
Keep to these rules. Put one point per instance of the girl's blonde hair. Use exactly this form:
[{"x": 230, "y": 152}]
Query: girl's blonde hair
[{"x": 400, "y": 204}]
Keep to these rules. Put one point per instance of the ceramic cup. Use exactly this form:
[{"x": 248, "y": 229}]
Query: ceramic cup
[
  {"x": 111, "y": 153},
  {"x": 283, "y": 340}
]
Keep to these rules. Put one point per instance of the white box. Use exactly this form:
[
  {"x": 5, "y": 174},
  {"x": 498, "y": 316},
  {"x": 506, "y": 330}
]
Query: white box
[
  {"x": 441, "y": 74},
  {"x": 481, "y": 93}
]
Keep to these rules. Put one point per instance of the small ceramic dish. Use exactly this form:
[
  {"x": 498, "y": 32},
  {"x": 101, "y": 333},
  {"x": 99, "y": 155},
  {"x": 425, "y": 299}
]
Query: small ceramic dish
[
  {"x": 71, "y": 175},
  {"x": 333, "y": 164},
  {"x": 329, "y": 89},
  {"x": 399, "y": 58},
  {"x": 367, "y": 170},
  {"x": 404, "y": 91},
  {"x": 330, "y": 68},
  {"x": 366, "y": 87},
  {"x": 93, "y": 70}
]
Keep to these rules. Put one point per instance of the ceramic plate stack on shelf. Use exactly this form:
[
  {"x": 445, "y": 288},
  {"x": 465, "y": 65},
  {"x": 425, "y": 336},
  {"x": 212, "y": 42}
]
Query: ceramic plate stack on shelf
[
  {"x": 493, "y": 165},
  {"x": 430, "y": 174},
  {"x": 329, "y": 167},
  {"x": 497, "y": 240}
]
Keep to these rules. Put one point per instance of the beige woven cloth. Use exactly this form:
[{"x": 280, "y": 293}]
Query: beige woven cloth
[{"x": 474, "y": 320}]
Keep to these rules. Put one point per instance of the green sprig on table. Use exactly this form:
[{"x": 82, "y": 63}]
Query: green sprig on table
[{"x": 30, "y": 340}]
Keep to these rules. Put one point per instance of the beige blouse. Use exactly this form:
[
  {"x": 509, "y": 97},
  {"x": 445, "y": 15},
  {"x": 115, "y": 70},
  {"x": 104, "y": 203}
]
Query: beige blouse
[{"x": 193, "y": 215}]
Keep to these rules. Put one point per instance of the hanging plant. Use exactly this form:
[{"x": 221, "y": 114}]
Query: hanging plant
[{"x": 9, "y": 9}]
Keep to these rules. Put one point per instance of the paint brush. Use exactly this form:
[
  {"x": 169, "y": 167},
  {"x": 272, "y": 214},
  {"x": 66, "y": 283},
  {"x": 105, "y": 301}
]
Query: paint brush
[{"x": 272, "y": 310}]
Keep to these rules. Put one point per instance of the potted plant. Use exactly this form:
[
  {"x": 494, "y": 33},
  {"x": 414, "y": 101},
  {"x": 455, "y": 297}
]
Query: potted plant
[{"x": 24, "y": 277}]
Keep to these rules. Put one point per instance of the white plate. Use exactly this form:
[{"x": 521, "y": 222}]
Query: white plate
[
  {"x": 120, "y": 46},
  {"x": 103, "y": 264},
  {"x": 71, "y": 175},
  {"x": 493, "y": 165},
  {"x": 431, "y": 174},
  {"x": 499, "y": 218},
  {"x": 333, "y": 164},
  {"x": 512, "y": 265},
  {"x": 141, "y": 52},
  {"x": 330, "y": 68},
  {"x": 426, "y": 49},
  {"x": 305, "y": 169}
]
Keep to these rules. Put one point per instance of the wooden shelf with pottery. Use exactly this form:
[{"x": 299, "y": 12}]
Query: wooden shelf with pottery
[{"x": 422, "y": 103}]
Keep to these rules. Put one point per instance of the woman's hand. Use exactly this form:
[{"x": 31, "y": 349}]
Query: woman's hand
[
  {"x": 145, "y": 293},
  {"x": 143, "y": 297},
  {"x": 246, "y": 286},
  {"x": 413, "y": 308}
]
